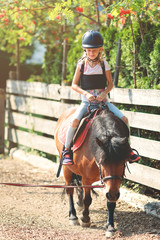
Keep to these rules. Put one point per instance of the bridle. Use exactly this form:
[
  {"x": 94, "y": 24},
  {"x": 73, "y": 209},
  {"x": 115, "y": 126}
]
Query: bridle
[{"x": 103, "y": 179}]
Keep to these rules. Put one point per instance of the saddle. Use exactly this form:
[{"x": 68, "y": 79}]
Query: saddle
[{"x": 82, "y": 130}]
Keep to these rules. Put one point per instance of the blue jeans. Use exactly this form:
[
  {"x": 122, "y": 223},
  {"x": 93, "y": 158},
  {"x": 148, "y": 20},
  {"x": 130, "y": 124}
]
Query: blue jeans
[{"x": 83, "y": 108}]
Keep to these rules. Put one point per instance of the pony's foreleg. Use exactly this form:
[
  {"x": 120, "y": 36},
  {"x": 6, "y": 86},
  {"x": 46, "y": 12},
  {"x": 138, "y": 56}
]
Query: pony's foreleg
[
  {"x": 85, "y": 215},
  {"x": 72, "y": 212},
  {"x": 110, "y": 224}
]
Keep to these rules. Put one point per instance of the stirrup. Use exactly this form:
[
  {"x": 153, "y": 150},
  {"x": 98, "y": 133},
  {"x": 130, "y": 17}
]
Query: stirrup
[
  {"x": 66, "y": 158},
  {"x": 134, "y": 157}
]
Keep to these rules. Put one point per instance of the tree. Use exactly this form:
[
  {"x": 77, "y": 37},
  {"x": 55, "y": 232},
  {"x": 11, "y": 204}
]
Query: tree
[
  {"x": 137, "y": 10},
  {"x": 21, "y": 22}
]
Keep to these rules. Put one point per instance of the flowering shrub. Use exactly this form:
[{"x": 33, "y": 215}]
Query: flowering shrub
[
  {"x": 79, "y": 9},
  {"x": 109, "y": 16}
]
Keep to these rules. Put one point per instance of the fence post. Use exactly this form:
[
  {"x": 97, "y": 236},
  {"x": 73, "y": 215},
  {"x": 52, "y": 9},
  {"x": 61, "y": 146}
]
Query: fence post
[
  {"x": 118, "y": 60},
  {"x": 2, "y": 119}
]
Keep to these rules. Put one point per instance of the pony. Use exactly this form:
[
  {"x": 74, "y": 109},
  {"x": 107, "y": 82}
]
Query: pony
[{"x": 102, "y": 156}]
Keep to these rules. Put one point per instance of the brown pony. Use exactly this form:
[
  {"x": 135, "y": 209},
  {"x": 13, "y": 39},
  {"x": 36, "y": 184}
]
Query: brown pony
[{"x": 102, "y": 155}]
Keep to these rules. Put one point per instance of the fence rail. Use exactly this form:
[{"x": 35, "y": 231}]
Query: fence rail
[{"x": 32, "y": 109}]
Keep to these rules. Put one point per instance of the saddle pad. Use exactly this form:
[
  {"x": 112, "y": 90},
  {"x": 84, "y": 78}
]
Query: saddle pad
[
  {"x": 63, "y": 129},
  {"x": 82, "y": 136},
  {"x": 79, "y": 140}
]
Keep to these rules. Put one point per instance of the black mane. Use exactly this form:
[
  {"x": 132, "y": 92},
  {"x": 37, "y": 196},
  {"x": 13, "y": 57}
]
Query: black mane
[{"x": 109, "y": 138}]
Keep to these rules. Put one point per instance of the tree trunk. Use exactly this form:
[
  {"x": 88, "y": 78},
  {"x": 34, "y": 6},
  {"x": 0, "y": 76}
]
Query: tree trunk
[
  {"x": 97, "y": 11},
  {"x": 18, "y": 61},
  {"x": 2, "y": 119},
  {"x": 141, "y": 29},
  {"x": 64, "y": 62},
  {"x": 134, "y": 54}
]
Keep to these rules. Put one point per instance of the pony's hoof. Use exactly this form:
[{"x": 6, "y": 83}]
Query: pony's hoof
[
  {"x": 74, "y": 222},
  {"x": 85, "y": 225},
  {"x": 109, "y": 234},
  {"x": 110, "y": 231}
]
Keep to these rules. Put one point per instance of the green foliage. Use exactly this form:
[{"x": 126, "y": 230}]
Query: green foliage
[
  {"x": 74, "y": 54},
  {"x": 52, "y": 66},
  {"x": 155, "y": 62},
  {"x": 110, "y": 40},
  {"x": 149, "y": 58}
]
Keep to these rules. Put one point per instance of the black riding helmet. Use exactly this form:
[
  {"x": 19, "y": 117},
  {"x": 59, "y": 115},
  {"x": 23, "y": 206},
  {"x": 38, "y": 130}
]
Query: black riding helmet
[{"x": 92, "y": 39}]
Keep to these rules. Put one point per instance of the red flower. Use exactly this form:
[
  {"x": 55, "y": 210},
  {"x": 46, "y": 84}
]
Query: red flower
[
  {"x": 109, "y": 16},
  {"x": 22, "y": 38},
  {"x": 20, "y": 26},
  {"x": 124, "y": 12},
  {"x": 34, "y": 22},
  {"x": 6, "y": 20},
  {"x": 2, "y": 15},
  {"x": 79, "y": 9},
  {"x": 59, "y": 17},
  {"x": 127, "y": 11}
]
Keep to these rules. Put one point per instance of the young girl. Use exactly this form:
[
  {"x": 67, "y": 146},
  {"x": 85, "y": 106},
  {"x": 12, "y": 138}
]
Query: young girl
[{"x": 96, "y": 83}]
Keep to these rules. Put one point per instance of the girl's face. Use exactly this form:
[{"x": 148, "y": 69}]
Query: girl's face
[{"x": 92, "y": 53}]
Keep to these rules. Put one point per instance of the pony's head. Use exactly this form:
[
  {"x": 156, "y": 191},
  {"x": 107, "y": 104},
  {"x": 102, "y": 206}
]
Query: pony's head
[{"x": 110, "y": 146}]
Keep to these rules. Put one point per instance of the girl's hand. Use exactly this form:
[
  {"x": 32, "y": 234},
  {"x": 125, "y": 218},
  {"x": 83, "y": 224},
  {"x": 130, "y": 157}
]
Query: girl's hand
[
  {"x": 90, "y": 97},
  {"x": 101, "y": 97}
]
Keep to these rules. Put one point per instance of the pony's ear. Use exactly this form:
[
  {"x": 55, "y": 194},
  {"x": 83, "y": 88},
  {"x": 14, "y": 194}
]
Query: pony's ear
[{"x": 99, "y": 142}]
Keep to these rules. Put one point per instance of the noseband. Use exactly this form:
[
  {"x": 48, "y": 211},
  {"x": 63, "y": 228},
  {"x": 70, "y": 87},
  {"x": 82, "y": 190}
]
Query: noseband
[{"x": 103, "y": 179}]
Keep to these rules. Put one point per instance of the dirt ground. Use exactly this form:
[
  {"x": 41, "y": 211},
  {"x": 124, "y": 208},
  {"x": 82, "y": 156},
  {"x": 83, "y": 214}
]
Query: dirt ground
[{"x": 42, "y": 213}]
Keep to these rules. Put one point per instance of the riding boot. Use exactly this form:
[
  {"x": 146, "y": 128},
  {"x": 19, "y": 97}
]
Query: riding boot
[
  {"x": 67, "y": 160},
  {"x": 134, "y": 155}
]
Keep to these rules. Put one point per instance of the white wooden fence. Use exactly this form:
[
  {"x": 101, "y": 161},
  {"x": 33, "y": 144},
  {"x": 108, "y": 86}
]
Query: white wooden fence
[{"x": 32, "y": 109}]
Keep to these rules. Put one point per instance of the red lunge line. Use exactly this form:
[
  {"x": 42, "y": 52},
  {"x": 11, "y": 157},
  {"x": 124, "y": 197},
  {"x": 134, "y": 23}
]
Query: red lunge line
[{"x": 51, "y": 186}]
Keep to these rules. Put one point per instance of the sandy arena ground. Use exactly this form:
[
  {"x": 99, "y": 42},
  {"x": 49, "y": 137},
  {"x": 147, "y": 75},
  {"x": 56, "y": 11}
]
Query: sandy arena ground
[{"x": 42, "y": 213}]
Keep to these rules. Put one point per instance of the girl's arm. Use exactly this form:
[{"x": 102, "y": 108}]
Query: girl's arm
[
  {"x": 76, "y": 88},
  {"x": 103, "y": 95}
]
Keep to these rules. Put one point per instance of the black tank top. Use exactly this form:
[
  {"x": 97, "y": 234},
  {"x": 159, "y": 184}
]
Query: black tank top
[{"x": 96, "y": 81}]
